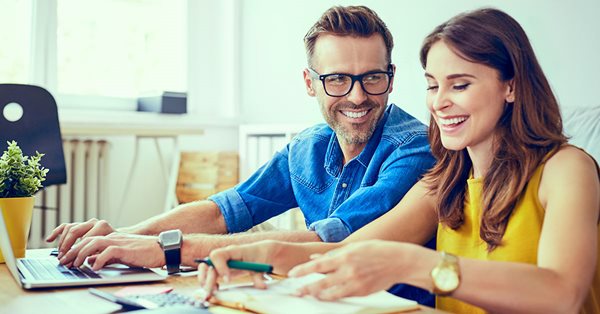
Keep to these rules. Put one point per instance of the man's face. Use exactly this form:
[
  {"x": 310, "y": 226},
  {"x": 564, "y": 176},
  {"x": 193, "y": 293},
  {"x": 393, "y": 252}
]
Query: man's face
[{"x": 354, "y": 116}]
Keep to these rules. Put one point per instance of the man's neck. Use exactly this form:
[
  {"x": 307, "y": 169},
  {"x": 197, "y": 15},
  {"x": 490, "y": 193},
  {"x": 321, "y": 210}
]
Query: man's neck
[{"x": 350, "y": 150}]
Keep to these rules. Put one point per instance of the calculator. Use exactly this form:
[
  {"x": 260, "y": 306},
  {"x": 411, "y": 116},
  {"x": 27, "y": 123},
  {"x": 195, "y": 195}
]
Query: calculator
[{"x": 150, "y": 301}]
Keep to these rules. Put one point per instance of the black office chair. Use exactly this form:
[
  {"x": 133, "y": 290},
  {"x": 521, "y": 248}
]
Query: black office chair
[{"x": 37, "y": 129}]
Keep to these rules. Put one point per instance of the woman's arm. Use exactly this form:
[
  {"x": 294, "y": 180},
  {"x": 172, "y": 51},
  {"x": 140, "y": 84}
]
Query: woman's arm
[
  {"x": 412, "y": 220},
  {"x": 567, "y": 252}
]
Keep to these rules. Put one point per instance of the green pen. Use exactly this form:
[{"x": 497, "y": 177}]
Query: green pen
[{"x": 234, "y": 264}]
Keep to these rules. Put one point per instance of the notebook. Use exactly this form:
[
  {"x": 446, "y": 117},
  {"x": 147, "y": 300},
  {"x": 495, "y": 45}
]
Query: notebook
[
  {"x": 32, "y": 273},
  {"x": 279, "y": 298}
]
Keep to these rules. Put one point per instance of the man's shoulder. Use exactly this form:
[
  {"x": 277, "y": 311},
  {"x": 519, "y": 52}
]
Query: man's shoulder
[{"x": 402, "y": 127}]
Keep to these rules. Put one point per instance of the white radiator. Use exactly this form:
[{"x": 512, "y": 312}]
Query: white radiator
[
  {"x": 81, "y": 198},
  {"x": 258, "y": 143}
]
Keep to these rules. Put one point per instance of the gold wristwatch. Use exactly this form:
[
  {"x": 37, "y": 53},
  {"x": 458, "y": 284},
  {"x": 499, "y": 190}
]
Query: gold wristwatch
[{"x": 446, "y": 275}]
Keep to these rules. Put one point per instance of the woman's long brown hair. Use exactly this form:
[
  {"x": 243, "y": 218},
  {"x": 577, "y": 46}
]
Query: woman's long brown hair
[{"x": 528, "y": 130}]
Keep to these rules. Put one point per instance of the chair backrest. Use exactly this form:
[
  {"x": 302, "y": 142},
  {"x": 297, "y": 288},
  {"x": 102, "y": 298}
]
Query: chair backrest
[{"x": 38, "y": 128}]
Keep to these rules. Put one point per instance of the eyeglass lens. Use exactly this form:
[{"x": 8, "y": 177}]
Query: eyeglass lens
[{"x": 341, "y": 84}]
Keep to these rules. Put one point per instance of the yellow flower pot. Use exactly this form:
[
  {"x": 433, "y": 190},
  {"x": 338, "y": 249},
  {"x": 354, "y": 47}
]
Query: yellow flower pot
[{"x": 17, "y": 213}]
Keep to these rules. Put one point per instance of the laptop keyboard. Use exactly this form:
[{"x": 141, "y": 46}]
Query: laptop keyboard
[{"x": 43, "y": 269}]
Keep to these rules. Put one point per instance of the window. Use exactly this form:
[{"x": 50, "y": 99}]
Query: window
[
  {"x": 15, "y": 24},
  {"x": 121, "y": 48}
]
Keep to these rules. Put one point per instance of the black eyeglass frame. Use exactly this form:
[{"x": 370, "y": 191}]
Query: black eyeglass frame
[{"x": 355, "y": 78}]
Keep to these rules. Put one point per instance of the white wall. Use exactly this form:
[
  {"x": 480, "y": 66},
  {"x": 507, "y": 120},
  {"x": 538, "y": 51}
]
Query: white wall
[{"x": 564, "y": 35}]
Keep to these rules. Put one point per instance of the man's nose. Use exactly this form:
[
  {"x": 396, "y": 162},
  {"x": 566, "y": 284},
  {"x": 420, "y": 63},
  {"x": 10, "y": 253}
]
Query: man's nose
[{"x": 357, "y": 94}]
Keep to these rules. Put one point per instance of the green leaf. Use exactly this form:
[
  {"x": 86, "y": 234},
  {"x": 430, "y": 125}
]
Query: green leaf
[{"x": 20, "y": 176}]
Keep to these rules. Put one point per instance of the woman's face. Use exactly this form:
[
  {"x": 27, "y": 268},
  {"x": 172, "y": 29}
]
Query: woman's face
[{"x": 466, "y": 99}]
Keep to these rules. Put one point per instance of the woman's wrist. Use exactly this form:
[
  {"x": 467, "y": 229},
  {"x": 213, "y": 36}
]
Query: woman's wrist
[{"x": 417, "y": 263}]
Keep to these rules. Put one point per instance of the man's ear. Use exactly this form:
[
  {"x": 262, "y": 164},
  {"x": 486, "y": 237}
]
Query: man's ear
[
  {"x": 392, "y": 79},
  {"x": 309, "y": 83},
  {"x": 510, "y": 93}
]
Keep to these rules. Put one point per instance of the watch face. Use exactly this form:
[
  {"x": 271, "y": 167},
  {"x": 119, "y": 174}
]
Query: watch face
[
  {"x": 170, "y": 237},
  {"x": 446, "y": 279}
]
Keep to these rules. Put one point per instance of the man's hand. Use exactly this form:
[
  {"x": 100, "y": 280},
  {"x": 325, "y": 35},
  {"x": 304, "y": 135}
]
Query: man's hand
[
  {"x": 69, "y": 233},
  {"x": 128, "y": 249}
]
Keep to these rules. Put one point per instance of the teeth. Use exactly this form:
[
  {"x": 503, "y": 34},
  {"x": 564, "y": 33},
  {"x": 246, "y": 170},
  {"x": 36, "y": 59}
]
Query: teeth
[
  {"x": 452, "y": 121},
  {"x": 354, "y": 115}
]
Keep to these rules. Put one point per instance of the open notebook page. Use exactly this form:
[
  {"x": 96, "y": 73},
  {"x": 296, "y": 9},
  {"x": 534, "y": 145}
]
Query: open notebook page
[{"x": 279, "y": 298}]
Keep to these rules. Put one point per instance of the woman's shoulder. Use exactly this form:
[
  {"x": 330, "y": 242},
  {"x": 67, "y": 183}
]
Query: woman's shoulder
[
  {"x": 568, "y": 159},
  {"x": 569, "y": 168}
]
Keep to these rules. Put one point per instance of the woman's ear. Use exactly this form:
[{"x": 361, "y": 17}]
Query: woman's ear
[
  {"x": 308, "y": 81},
  {"x": 510, "y": 93}
]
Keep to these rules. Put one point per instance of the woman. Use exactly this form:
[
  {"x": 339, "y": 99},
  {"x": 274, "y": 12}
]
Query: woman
[{"x": 516, "y": 208}]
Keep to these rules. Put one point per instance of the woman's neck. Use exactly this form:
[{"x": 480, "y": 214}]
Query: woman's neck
[{"x": 481, "y": 156}]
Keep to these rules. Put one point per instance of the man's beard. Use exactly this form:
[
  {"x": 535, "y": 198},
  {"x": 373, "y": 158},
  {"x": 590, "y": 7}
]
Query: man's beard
[{"x": 353, "y": 133}]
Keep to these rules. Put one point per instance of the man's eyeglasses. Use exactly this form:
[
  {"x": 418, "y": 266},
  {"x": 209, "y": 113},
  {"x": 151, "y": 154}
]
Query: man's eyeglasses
[{"x": 340, "y": 84}]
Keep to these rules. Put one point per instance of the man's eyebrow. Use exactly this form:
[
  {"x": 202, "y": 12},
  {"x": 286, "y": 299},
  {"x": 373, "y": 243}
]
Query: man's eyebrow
[{"x": 452, "y": 76}]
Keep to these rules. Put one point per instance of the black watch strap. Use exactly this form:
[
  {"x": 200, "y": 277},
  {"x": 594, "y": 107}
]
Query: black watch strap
[{"x": 173, "y": 260}]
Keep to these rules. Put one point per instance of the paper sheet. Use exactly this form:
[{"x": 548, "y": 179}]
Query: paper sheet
[{"x": 279, "y": 298}]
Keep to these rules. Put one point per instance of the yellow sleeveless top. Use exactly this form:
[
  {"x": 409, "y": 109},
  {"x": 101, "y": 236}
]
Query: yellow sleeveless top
[{"x": 519, "y": 243}]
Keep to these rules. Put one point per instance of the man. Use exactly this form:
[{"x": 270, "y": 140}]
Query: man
[{"x": 342, "y": 174}]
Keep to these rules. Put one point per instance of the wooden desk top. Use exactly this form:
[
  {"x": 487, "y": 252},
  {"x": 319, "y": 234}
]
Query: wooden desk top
[{"x": 13, "y": 299}]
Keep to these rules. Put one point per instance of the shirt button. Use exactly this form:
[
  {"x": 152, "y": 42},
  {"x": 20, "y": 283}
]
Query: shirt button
[{"x": 344, "y": 185}]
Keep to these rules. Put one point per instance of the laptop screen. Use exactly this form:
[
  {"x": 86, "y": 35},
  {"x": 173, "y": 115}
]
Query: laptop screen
[{"x": 7, "y": 250}]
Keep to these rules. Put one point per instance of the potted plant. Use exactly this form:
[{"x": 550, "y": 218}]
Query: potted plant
[{"x": 20, "y": 177}]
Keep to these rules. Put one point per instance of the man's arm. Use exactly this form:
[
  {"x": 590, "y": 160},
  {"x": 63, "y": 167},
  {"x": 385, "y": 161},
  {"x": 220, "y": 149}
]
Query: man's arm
[{"x": 195, "y": 217}]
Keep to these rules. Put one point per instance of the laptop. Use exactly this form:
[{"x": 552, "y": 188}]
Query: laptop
[{"x": 47, "y": 272}]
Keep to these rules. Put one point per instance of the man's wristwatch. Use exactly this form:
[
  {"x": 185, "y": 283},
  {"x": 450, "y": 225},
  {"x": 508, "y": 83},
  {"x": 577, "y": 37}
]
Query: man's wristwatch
[
  {"x": 170, "y": 241},
  {"x": 446, "y": 275}
]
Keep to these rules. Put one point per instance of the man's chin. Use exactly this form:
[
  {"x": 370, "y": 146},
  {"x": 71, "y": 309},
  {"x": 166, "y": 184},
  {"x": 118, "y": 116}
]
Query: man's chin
[{"x": 356, "y": 138}]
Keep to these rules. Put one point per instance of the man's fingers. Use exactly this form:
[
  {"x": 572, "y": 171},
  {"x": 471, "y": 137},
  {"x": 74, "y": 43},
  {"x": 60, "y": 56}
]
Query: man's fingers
[
  {"x": 74, "y": 232},
  {"x": 55, "y": 233},
  {"x": 92, "y": 247},
  {"x": 110, "y": 254},
  {"x": 71, "y": 254}
]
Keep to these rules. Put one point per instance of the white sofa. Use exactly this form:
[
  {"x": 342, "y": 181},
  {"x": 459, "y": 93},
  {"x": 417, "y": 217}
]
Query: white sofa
[{"x": 582, "y": 124}]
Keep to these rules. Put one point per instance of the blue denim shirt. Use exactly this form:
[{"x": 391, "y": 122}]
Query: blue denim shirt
[{"x": 336, "y": 199}]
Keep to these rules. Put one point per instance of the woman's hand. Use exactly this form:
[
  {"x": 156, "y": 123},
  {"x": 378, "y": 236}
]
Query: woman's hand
[
  {"x": 268, "y": 252},
  {"x": 356, "y": 269}
]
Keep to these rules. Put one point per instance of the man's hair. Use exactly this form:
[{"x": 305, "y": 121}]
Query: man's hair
[
  {"x": 528, "y": 130},
  {"x": 358, "y": 21}
]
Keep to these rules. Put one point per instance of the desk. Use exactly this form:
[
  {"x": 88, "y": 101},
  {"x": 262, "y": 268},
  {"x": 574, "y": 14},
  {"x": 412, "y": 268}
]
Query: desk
[{"x": 13, "y": 299}]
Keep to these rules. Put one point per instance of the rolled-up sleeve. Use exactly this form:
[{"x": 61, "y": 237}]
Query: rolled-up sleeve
[
  {"x": 267, "y": 193},
  {"x": 330, "y": 229},
  {"x": 236, "y": 214}
]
